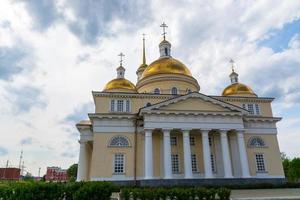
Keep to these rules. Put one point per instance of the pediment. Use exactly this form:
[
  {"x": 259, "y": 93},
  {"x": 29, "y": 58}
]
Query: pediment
[{"x": 195, "y": 102}]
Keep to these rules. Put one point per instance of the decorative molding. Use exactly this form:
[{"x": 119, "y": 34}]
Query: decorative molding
[{"x": 244, "y": 99}]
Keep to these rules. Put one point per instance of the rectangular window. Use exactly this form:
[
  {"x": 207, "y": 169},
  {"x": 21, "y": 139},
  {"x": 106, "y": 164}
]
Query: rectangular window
[
  {"x": 212, "y": 161},
  {"x": 120, "y": 105},
  {"x": 112, "y": 105},
  {"x": 173, "y": 140},
  {"x": 192, "y": 140},
  {"x": 175, "y": 163},
  {"x": 257, "y": 111},
  {"x": 260, "y": 162},
  {"x": 119, "y": 163},
  {"x": 251, "y": 109},
  {"x": 127, "y": 105},
  {"x": 194, "y": 163}
]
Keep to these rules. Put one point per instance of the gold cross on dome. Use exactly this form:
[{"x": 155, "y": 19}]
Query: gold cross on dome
[
  {"x": 164, "y": 26},
  {"x": 121, "y": 58},
  {"x": 232, "y": 64}
]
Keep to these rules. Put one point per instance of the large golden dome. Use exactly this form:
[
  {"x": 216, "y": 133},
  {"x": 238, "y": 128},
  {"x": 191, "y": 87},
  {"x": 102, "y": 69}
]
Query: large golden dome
[
  {"x": 238, "y": 89},
  {"x": 166, "y": 65},
  {"x": 119, "y": 83}
]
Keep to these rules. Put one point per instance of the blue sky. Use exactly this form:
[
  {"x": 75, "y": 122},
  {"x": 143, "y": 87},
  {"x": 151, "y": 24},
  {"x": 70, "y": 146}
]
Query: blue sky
[{"x": 54, "y": 53}]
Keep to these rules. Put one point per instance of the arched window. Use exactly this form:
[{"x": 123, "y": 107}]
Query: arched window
[
  {"x": 156, "y": 91},
  {"x": 148, "y": 104},
  {"x": 174, "y": 91},
  {"x": 256, "y": 142},
  {"x": 188, "y": 90},
  {"x": 166, "y": 52},
  {"x": 119, "y": 141}
]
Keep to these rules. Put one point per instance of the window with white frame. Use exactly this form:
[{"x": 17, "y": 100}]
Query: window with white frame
[
  {"x": 173, "y": 140},
  {"x": 256, "y": 142},
  {"x": 112, "y": 105},
  {"x": 194, "y": 163},
  {"x": 174, "y": 91},
  {"x": 260, "y": 162},
  {"x": 175, "y": 163},
  {"x": 257, "y": 109},
  {"x": 192, "y": 141},
  {"x": 119, "y": 161},
  {"x": 119, "y": 141},
  {"x": 127, "y": 105},
  {"x": 119, "y": 105},
  {"x": 253, "y": 109},
  {"x": 212, "y": 161},
  {"x": 156, "y": 91}
]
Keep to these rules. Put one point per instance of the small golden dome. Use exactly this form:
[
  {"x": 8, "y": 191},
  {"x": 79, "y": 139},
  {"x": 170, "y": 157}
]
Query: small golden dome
[
  {"x": 119, "y": 83},
  {"x": 167, "y": 65},
  {"x": 238, "y": 89}
]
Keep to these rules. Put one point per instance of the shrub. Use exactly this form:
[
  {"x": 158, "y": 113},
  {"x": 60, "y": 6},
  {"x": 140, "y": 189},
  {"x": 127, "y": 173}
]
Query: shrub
[{"x": 224, "y": 193}]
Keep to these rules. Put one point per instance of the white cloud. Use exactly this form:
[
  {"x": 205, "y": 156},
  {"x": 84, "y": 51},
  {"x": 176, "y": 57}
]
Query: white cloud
[{"x": 204, "y": 35}]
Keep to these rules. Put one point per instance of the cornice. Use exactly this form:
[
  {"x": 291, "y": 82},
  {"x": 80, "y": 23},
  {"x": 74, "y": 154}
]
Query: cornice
[
  {"x": 244, "y": 99},
  {"x": 132, "y": 95},
  {"x": 111, "y": 116},
  {"x": 193, "y": 113},
  {"x": 261, "y": 119}
]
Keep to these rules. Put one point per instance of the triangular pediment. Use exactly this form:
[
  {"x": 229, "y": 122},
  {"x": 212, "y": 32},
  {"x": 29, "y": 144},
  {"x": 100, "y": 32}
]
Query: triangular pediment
[{"x": 195, "y": 102}]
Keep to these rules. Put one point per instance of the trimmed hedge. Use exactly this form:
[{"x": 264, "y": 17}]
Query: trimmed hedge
[
  {"x": 56, "y": 191},
  {"x": 175, "y": 194}
]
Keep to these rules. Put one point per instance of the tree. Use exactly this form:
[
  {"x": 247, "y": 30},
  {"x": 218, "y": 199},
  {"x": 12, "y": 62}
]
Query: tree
[
  {"x": 285, "y": 163},
  {"x": 72, "y": 172},
  {"x": 294, "y": 170}
]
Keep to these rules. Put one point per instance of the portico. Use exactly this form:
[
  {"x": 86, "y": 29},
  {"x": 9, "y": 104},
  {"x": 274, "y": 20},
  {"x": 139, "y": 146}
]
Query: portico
[{"x": 188, "y": 173}]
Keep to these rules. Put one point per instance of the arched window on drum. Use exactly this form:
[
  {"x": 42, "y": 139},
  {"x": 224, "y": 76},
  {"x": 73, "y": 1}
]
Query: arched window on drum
[
  {"x": 174, "y": 91},
  {"x": 119, "y": 141}
]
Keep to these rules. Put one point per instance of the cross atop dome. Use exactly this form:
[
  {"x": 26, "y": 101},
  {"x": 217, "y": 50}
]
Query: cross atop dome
[
  {"x": 233, "y": 76},
  {"x": 121, "y": 58},
  {"x": 164, "y": 26},
  {"x": 121, "y": 69}
]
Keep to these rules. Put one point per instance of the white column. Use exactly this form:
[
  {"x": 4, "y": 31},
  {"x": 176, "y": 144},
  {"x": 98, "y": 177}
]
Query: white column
[
  {"x": 148, "y": 155},
  {"x": 82, "y": 163},
  {"x": 226, "y": 155},
  {"x": 206, "y": 155},
  {"x": 167, "y": 155},
  {"x": 243, "y": 154},
  {"x": 187, "y": 154}
]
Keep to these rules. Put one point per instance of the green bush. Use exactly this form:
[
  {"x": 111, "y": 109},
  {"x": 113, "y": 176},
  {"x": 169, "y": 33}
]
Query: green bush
[{"x": 56, "y": 191}]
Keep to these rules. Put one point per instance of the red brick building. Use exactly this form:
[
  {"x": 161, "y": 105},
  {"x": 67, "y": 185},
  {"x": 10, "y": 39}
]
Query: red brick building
[
  {"x": 56, "y": 174},
  {"x": 10, "y": 173}
]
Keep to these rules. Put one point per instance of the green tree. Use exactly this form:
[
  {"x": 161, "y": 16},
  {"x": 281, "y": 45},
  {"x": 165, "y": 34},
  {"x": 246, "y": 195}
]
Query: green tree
[
  {"x": 294, "y": 170},
  {"x": 285, "y": 163},
  {"x": 72, "y": 172}
]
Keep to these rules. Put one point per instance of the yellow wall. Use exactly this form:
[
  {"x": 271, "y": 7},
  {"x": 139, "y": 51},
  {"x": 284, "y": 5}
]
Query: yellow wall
[
  {"x": 271, "y": 155},
  {"x": 165, "y": 87},
  {"x": 102, "y": 157},
  {"x": 195, "y": 104}
]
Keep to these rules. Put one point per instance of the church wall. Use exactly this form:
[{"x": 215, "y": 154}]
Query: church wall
[
  {"x": 265, "y": 107},
  {"x": 197, "y": 149},
  {"x": 103, "y": 103},
  {"x": 166, "y": 86},
  {"x": 140, "y": 155},
  {"x": 102, "y": 158},
  {"x": 157, "y": 154},
  {"x": 271, "y": 153}
]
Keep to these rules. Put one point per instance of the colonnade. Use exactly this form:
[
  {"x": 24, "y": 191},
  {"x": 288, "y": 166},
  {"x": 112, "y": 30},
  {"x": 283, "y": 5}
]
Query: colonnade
[{"x": 167, "y": 165}]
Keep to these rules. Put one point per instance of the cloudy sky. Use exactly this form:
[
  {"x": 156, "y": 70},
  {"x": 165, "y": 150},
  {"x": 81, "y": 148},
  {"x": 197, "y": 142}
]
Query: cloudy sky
[{"x": 53, "y": 53}]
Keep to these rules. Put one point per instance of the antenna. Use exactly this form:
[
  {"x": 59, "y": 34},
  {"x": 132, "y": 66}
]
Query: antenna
[{"x": 21, "y": 157}]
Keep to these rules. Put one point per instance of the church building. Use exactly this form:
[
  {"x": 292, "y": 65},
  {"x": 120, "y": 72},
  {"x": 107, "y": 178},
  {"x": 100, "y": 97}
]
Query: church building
[{"x": 164, "y": 130}]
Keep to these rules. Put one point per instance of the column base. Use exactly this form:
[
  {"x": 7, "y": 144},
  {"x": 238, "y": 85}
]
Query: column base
[
  {"x": 209, "y": 176},
  {"x": 148, "y": 177}
]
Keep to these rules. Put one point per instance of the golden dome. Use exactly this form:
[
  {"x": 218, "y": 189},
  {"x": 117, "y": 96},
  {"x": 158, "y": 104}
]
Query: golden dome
[
  {"x": 119, "y": 83},
  {"x": 237, "y": 89},
  {"x": 167, "y": 65}
]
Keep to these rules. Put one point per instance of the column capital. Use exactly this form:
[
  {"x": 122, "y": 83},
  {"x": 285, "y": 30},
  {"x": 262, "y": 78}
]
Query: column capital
[
  {"x": 205, "y": 131},
  {"x": 166, "y": 132},
  {"x": 223, "y": 132},
  {"x": 148, "y": 132},
  {"x": 240, "y": 131},
  {"x": 82, "y": 142},
  {"x": 186, "y": 133}
]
